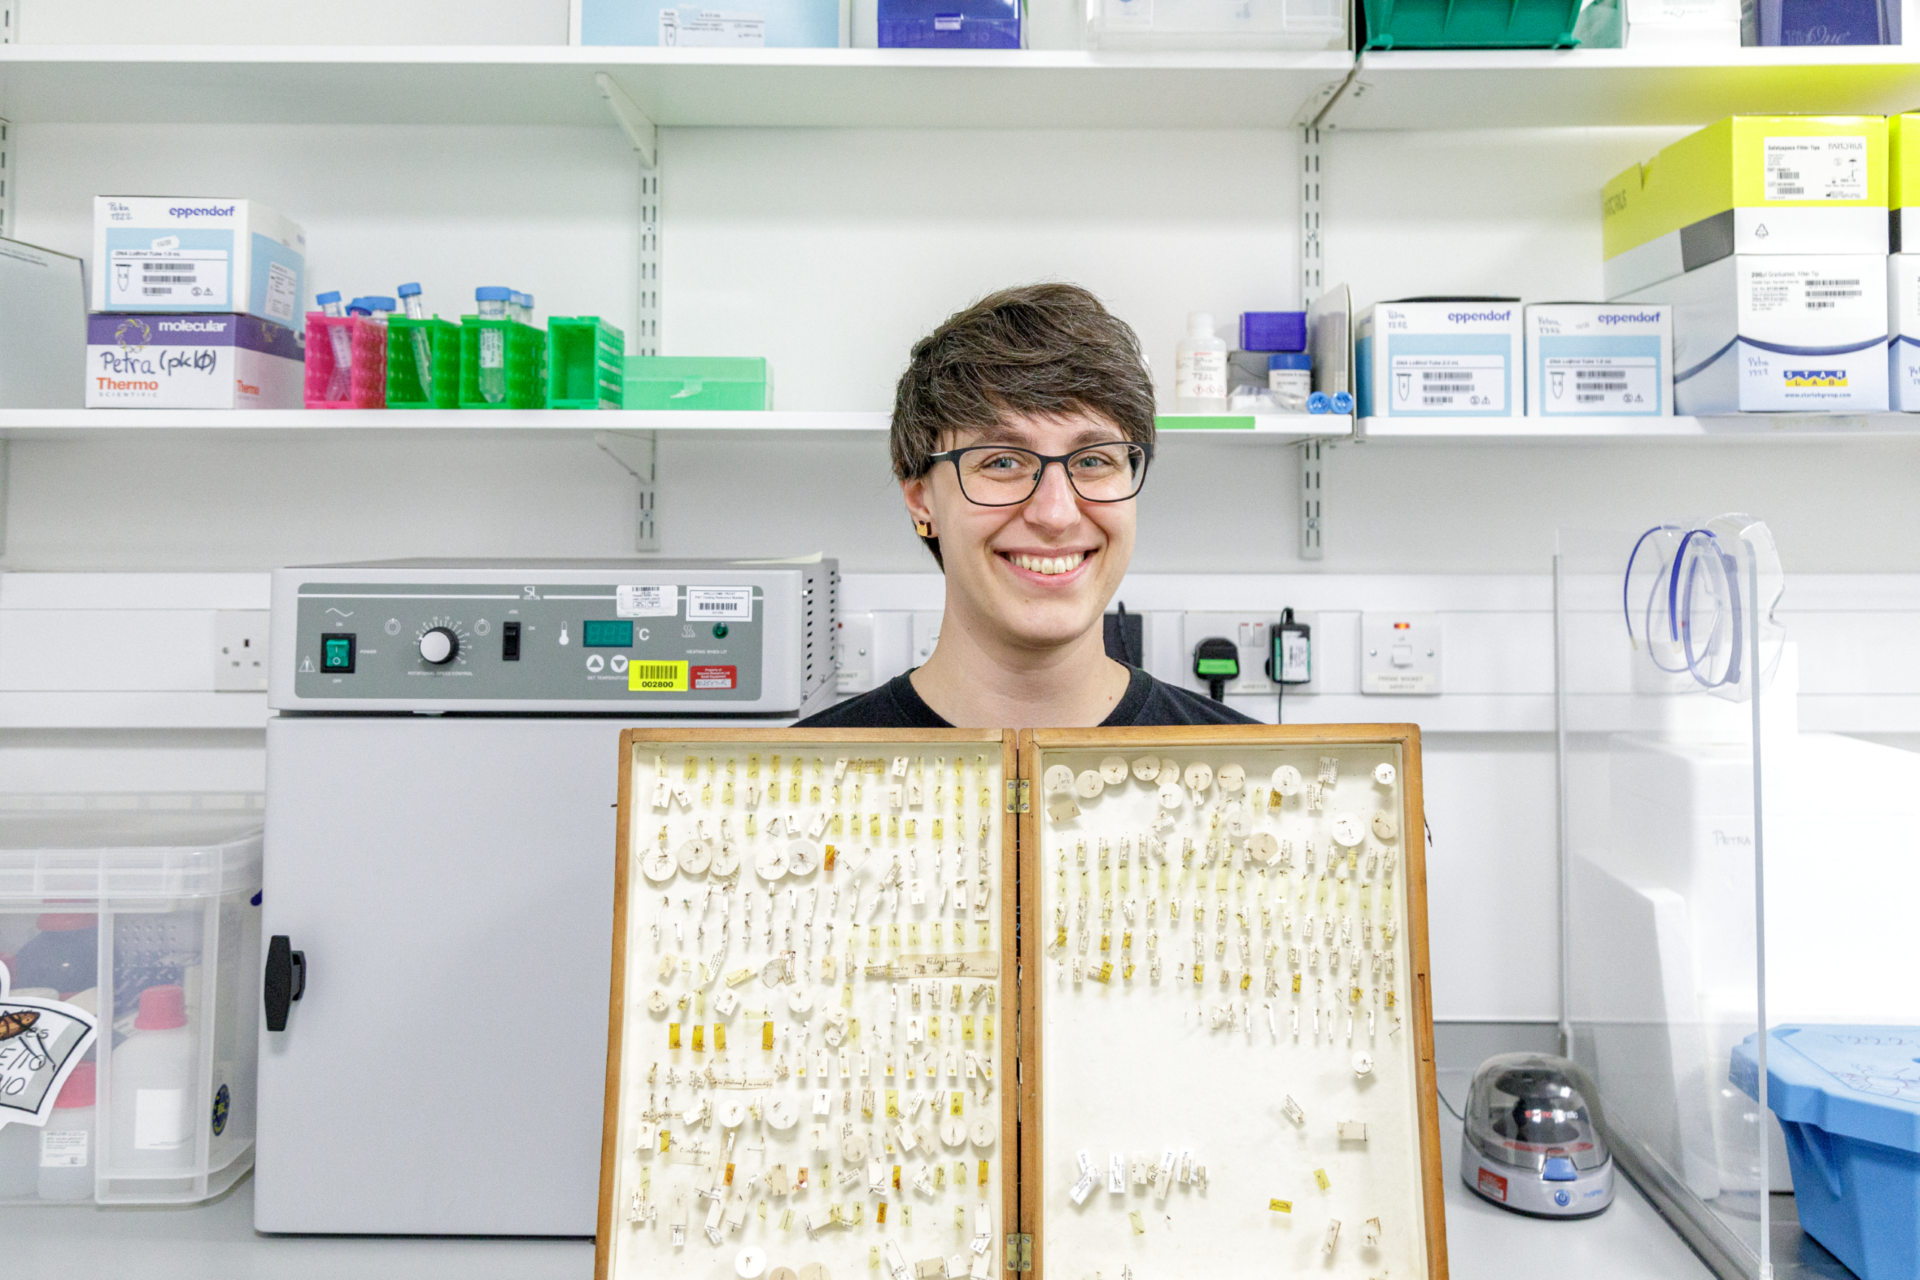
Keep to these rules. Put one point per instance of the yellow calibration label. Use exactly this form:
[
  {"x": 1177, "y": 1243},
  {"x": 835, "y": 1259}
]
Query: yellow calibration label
[{"x": 656, "y": 677}]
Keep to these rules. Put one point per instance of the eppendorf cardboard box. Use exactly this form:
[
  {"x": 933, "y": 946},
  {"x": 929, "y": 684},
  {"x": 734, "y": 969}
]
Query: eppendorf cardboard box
[{"x": 192, "y": 362}]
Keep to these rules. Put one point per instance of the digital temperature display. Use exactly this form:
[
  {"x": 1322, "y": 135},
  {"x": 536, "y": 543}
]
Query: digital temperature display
[{"x": 600, "y": 634}]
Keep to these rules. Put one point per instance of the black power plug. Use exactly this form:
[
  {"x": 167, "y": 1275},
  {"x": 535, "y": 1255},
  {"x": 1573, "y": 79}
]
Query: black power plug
[{"x": 1216, "y": 660}]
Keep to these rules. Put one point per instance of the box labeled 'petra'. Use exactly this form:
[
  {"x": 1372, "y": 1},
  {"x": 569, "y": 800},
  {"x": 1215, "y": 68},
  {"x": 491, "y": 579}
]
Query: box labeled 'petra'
[
  {"x": 177, "y": 253},
  {"x": 1438, "y": 358},
  {"x": 1795, "y": 332},
  {"x": 1592, "y": 359},
  {"x": 192, "y": 362}
]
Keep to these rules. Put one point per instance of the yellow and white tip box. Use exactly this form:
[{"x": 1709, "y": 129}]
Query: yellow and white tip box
[
  {"x": 1747, "y": 185},
  {"x": 1438, "y": 358},
  {"x": 195, "y": 253},
  {"x": 1599, "y": 359}
]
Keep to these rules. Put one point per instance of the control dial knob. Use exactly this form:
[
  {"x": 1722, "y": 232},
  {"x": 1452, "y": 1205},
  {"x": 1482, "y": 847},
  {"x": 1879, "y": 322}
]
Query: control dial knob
[{"x": 438, "y": 645}]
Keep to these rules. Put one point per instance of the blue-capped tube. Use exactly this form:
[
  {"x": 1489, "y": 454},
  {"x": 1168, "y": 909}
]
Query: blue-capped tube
[
  {"x": 492, "y": 302},
  {"x": 341, "y": 379},
  {"x": 422, "y": 344}
]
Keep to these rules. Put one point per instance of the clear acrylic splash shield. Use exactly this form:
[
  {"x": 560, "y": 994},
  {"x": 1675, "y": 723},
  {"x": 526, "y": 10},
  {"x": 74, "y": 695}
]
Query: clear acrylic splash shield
[{"x": 1659, "y": 636}]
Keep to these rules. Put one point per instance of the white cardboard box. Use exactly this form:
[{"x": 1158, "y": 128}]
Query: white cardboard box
[
  {"x": 193, "y": 362},
  {"x": 180, "y": 253},
  {"x": 1599, "y": 359},
  {"x": 1438, "y": 359},
  {"x": 1792, "y": 332},
  {"x": 1903, "y": 333}
]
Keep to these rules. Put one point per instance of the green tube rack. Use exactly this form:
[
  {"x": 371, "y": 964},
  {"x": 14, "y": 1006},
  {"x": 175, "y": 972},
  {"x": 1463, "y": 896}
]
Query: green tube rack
[
  {"x": 526, "y": 364},
  {"x": 586, "y": 363},
  {"x": 403, "y": 369}
]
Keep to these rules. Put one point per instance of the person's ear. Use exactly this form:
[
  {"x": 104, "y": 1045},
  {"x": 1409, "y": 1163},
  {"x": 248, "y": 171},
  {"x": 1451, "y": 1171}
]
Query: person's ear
[{"x": 915, "y": 493}]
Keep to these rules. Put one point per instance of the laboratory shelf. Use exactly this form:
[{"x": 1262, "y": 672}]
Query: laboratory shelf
[
  {"x": 554, "y": 85},
  {"x": 1733, "y": 426},
  {"x": 70, "y": 424},
  {"x": 943, "y": 88},
  {"x": 1540, "y": 88}
]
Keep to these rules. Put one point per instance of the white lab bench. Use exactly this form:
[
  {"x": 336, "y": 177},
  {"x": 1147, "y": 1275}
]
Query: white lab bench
[{"x": 214, "y": 1241}]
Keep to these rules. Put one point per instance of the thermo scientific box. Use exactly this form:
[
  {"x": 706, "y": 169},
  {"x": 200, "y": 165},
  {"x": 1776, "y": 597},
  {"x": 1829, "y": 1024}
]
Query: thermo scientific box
[
  {"x": 830, "y": 1047},
  {"x": 140, "y": 915}
]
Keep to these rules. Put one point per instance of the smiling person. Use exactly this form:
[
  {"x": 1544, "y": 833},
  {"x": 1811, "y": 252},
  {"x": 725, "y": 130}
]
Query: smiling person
[{"x": 1022, "y": 432}]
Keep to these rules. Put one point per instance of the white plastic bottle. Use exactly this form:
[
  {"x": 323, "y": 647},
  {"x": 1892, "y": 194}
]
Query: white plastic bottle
[
  {"x": 153, "y": 1086},
  {"x": 1200, "y": 368},
  {"x": 66, "y": 1144}
]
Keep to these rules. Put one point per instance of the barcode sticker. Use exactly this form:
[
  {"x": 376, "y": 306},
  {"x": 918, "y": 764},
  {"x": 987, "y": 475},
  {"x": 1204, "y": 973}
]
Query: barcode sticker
[
  {"x": 1601, "y": 384},
  {"x": 189, "y": 277},
  {"x": 729, "y": 604},
  {"x": 1816, "y": 168},
  {"x": 646, "y": 602},
  {"x": 657, "y": 677},
  {"x": 1449, "y": 384}
]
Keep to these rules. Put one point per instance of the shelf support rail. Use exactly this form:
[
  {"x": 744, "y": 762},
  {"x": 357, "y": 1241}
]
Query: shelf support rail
[
  {"x": 7, "y": 183},
  {"x": 645, "y": 137},
  {"x": 1313, "y": 488},
  {"x": 638, "y": 454}
]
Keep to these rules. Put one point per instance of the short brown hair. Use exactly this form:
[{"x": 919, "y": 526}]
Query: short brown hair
[{"x": 1041, "y": 349}]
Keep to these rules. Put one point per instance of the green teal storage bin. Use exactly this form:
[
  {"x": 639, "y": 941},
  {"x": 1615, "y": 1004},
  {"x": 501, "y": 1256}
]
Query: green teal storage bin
[
  {"x": 586, "y": 363},
  {"x": 1469, "y": 24},
  {"x": 526, "y": 364},
  {"x": 403, "y": 365},
  {"x": 698, "y": 382}
]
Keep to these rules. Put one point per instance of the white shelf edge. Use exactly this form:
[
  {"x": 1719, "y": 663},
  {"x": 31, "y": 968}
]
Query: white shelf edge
[
  {"x": 1739, "y": 426},
  {"x": 587, "y": 57},
  {"x": 71, "y": 423}
]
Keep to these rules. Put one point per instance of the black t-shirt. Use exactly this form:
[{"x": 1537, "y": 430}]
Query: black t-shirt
[{"x": 1147, "y": 701}]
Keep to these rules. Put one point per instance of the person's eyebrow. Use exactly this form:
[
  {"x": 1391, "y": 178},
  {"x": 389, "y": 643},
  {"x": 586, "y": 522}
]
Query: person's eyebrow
[{"x": 1009, "y": 434}]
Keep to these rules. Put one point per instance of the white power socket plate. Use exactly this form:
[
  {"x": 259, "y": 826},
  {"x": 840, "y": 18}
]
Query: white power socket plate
[
  {"x": 1400, "y": 653},
  {"x": 240, "y": 650},
  {"x": 854, "y": 653},
  {"x": 1250, "y": 634}
]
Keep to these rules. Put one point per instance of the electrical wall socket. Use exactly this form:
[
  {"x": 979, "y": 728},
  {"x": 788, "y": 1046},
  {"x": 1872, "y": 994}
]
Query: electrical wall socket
[
  {"x": 240, "y": 651},
  {"x": 926, "y": 634},
  {"x": 1251, "y": 634},
  {"x": 1400, "y": 653},
  {"x": 854, "y": 650}
]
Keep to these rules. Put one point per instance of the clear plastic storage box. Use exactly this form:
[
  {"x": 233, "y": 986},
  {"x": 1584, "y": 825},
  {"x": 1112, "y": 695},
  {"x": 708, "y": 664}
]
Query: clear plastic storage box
[
  {"x": 1216, "y": 24},
  {"x": 145, "y": 912}
]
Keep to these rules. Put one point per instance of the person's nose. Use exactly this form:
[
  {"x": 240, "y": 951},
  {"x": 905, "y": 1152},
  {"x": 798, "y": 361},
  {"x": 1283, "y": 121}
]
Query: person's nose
[{"x": 1054, "y": 507}]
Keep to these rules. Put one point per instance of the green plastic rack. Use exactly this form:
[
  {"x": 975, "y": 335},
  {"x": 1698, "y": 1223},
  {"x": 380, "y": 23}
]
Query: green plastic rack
[
  {"x": 586, "y": 359},
  {"x": 526, "y": 364},
  {"x": 403, "y": 369}
]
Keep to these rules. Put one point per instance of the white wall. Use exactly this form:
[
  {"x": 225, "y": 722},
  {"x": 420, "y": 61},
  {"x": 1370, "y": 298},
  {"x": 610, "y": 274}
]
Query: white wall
[{"x": 829, "y": 251}]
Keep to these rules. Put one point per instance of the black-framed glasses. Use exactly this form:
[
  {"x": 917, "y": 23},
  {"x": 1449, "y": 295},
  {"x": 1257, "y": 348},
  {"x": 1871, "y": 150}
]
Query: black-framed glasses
[{"x": 1000, "y": 475}]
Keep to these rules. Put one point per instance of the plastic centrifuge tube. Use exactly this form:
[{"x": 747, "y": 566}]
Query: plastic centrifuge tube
[
  {"x": 492, "y": 301},
  {"x": 422, "y": 345},
  {"x": 341, "y": 378}
]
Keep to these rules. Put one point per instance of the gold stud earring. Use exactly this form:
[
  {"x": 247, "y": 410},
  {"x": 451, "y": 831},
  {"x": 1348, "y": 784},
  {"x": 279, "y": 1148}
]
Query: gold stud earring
[{"x": 923, "y": 528}]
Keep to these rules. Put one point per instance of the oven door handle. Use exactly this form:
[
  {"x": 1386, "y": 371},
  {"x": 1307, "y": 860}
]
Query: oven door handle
[{"x": 285, "y": 981}]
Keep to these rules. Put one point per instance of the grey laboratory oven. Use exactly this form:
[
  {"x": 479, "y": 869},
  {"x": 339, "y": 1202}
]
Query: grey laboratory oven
[{"x": 441, "y": 781}]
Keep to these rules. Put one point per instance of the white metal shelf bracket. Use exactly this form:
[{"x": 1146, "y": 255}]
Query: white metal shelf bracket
[
  {"x": 635, "y": 123},
  {"x": 638, "y": 454},
  {"x": 7, "y": 183},
  {"x": 1313, "y": 489},
  {"x": 1310, "y": 214},
  {"x": 645, "y": 137}
]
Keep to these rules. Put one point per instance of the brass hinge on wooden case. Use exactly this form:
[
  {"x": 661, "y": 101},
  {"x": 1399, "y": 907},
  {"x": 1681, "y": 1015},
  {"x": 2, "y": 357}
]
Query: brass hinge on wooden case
[
  {"x": 1019, "y": 795},
  {"x": 1019, "y": 1252}
]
